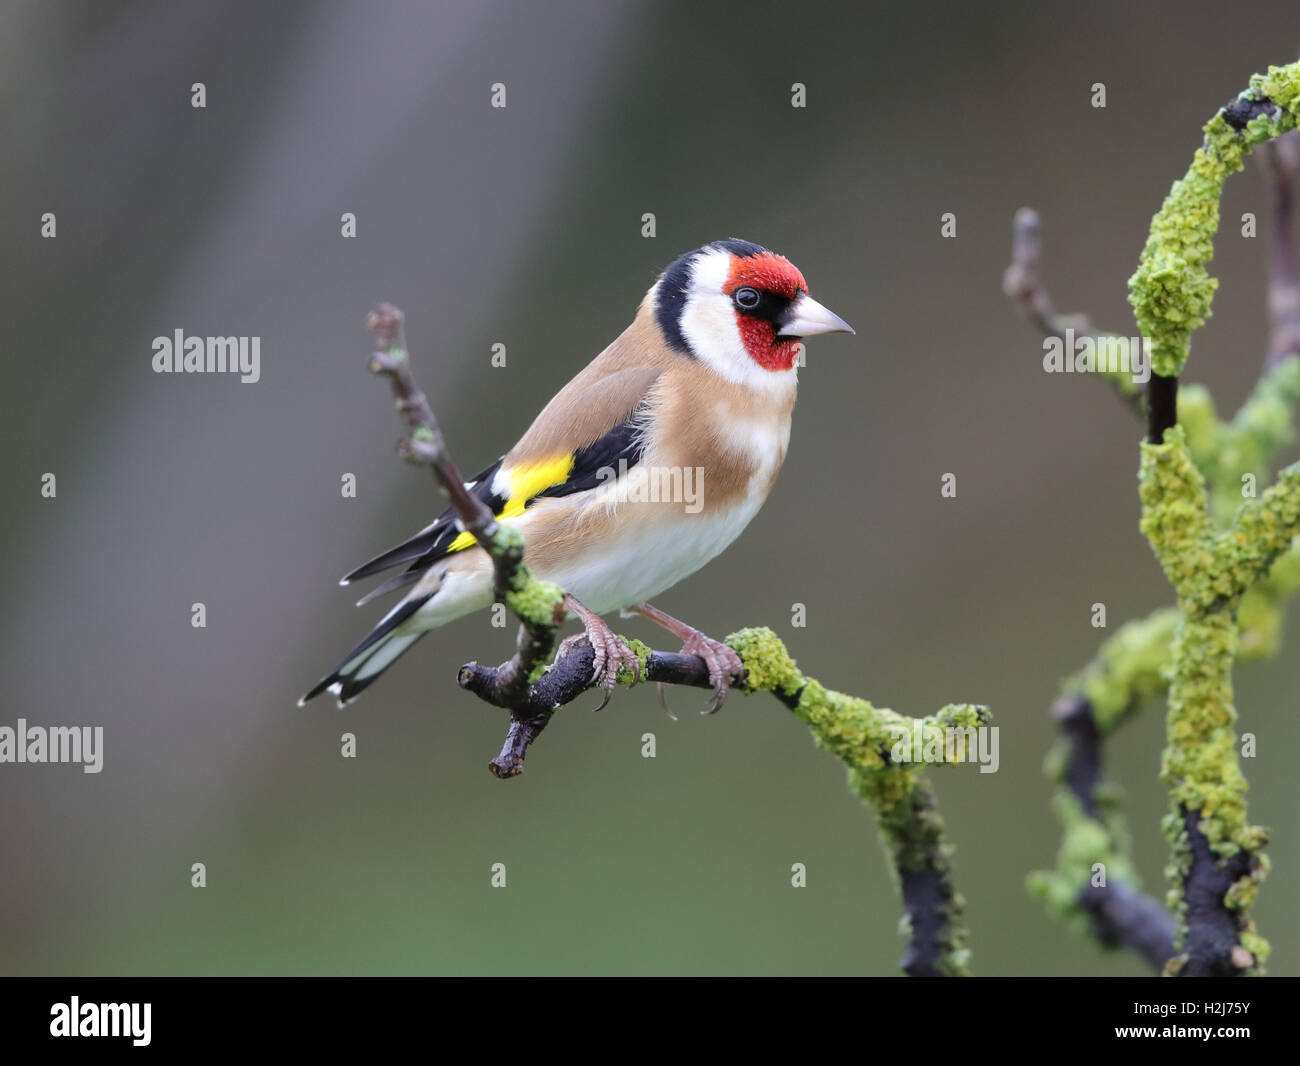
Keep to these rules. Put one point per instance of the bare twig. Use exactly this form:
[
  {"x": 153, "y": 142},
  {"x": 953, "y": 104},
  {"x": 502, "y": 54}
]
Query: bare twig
[
  {"x": 1022, "y": 283},
  {"x": 426, "y": 447},
  {"x": 1284, "y": 284}
]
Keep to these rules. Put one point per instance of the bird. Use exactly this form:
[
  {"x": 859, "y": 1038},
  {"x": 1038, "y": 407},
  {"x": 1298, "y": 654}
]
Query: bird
[{"x": 642, "y": 469}]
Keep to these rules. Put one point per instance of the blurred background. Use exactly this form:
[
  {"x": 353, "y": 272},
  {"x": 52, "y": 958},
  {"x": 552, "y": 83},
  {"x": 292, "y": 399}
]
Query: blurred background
[{"x": 523, "y": 226}]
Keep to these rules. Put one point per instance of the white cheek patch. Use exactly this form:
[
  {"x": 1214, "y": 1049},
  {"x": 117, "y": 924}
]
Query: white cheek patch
[{"x": 708, "y": 323}]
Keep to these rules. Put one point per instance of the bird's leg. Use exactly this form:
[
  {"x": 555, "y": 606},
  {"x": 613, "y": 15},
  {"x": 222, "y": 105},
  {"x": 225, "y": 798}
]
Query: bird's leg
[
  {"x": 610, "y": 652},
  {"x": 724, "y": 664}
]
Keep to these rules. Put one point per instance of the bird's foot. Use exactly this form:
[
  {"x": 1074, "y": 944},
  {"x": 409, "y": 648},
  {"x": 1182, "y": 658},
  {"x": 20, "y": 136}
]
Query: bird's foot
[
  {"x": 725, "y": 666},
  {"x": 609, "y": 651}
]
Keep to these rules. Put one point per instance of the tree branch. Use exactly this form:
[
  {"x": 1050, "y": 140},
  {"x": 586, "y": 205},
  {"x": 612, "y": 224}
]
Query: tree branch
[
  {"x": 1162, "y": 406},
  {"x": 1218, "y": 861},
  {"x": 1119, "y": 914},
  {"x": 861, "y": 735}
]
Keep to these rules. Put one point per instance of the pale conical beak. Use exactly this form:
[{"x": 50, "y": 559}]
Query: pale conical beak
[{"x": 806, "y": 317}]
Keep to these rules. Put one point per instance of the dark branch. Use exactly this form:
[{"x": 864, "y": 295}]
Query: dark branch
[
  {"x": 564, "y": 681},
  {"x": 1213, "y": 947},
  {"x": 1121, "y": 916},
  {"x": 1239, "y": 112},
  {"x": 1072, "y": 714},
  {"x": 930, "y": 901}
]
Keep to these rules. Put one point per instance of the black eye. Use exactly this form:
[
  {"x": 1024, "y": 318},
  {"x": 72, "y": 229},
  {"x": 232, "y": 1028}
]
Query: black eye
[{"x": 746, "y": 298}]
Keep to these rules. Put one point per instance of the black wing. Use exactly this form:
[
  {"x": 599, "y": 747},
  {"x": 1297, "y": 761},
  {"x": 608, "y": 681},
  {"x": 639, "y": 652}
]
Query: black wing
[{"x": 433, "y": 540}]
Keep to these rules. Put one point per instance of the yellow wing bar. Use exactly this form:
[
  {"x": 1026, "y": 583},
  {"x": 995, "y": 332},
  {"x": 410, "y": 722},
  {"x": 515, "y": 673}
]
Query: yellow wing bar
[{"x": 522, "y": 483}]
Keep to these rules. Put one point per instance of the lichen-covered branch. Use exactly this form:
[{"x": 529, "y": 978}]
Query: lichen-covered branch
[
  {"x": 1238, "y": 455},
  {"x": 1233, "y": 560},
  {"x": 1095, "y": 888},
  {"x": 1217, "y": 855},
  {"x": 859, "y": 734},
  {"x": 1171, "y": 291},
  {"x": 1210, "y": 571}
]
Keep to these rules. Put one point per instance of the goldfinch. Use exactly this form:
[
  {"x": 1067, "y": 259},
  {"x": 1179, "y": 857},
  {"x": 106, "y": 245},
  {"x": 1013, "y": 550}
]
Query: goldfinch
[{"x": 639, "y": 471}]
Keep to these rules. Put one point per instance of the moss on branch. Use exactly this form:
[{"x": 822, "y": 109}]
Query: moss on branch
[
  {"x": 1233, "y": 559},
  {"x": 1214, "y": 557},
  {"x": 864, "y": 737},
  {"x": 1171, "y": 291}
]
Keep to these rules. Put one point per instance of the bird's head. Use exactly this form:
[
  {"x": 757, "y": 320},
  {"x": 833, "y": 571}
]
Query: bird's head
[{"x": 740, "y": 309}]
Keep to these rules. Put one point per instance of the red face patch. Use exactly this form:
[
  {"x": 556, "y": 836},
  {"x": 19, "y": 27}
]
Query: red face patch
[{"x": 767, "y": 272}]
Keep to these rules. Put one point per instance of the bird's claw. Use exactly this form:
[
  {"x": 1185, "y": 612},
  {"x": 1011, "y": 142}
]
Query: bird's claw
[
  {"x": 725, "y": 666},
  {"x": 609, "y": 654},
  {"x": 663, "y": 700}
]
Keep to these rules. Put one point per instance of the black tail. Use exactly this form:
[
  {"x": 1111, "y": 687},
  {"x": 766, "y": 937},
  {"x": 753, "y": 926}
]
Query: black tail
[{"x": 364, "y": 663}]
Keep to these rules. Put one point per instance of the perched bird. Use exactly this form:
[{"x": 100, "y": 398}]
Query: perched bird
[{"x": 638, "y": 472}]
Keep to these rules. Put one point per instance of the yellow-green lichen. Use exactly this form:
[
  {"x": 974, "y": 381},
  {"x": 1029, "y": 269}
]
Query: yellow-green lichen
[
  {"x": 1199, "y": 765},
  {"x": 1281, "y": 85},
  {"x": 863, "y": 737},
  {"x": 913, "y": 836},
  {"x": 1262, "y": 612},
  {"x": 1171, "y": 291},
  {"x": 1173, "y": 516},
  {"x": 1086, "y": 842},
  {"x": 768, "y": 665},
  {"x": 1247, "y": 445},
  {"x": 1256, "y": 945},
  {"x": 535, "y": 602},
  {"x": 1232, "y": 559},
  {"x": 1130, "y": 669},
  {"x": 1200, "y": 422},
  {"x": 1212, "y": 571},
  {"x": 625, "y": 675}
]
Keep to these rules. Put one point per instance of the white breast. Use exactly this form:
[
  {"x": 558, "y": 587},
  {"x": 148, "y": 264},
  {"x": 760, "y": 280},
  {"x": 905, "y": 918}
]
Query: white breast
[{"x": 636, "y": 550}]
